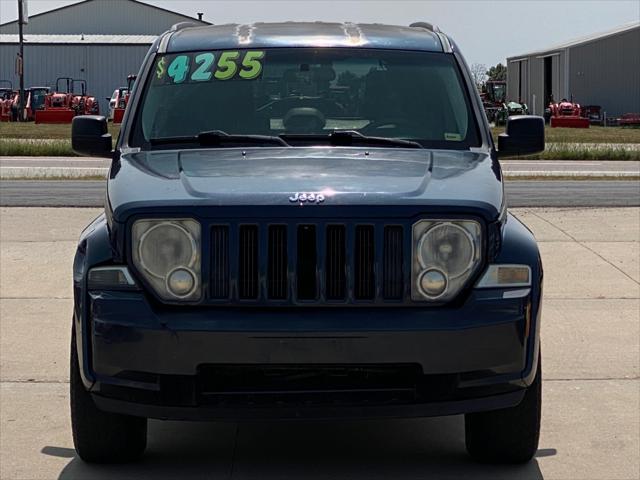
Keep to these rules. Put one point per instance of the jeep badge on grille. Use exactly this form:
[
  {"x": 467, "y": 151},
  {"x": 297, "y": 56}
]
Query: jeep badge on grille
[{"x": 307, "y": 197}]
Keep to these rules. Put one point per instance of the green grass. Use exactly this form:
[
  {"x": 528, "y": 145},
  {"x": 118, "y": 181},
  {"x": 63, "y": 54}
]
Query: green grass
[
  {"x": 565, "y": 178},
  {"x": 586, "y": 135},
  {"x": 567, "y": 151},
  {"x": 54, "y": 148},
  {"x": 43, "y": 131}
]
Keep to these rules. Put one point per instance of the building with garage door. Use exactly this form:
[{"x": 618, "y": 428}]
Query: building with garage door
[
  {"x": 602, "y": 69},
  {"x": 100, "y": 41}
]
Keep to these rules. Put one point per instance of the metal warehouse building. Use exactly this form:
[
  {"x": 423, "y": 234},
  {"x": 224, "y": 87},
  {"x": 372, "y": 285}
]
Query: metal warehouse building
[
  {"x": 602, "y": 69},
  {"x": 100, "y": 41}
]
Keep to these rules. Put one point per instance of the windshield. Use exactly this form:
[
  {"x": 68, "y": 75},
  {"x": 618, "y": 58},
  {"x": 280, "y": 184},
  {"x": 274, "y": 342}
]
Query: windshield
[
  {"x": 499, "y": 92},
  {"x": 308, "y": 92},
  {"x": 38, "y": 96}
]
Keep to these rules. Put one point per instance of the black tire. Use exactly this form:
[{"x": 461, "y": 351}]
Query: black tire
[
  {"x": 510, "y": 435},
  {"x": 102, "y": 437}
]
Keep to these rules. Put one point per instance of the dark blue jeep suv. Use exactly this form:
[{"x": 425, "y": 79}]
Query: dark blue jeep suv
[{"x": 305, "y": 220}]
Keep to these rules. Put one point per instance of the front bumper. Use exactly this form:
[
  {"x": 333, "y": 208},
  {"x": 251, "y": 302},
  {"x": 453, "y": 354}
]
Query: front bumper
[{"x": 158, "y": 362}]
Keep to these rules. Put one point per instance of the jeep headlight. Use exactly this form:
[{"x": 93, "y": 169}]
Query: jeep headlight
[
  {"x": 446, "y": 254},
  {"x": 167, "y": 253}
]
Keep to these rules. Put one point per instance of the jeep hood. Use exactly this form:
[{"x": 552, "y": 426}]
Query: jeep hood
[{"x": 441, "y": 179}]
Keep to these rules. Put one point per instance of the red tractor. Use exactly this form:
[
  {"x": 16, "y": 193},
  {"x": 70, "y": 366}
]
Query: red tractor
[
  {"x": 61, "y": 105},
  {"x": 83, "y": 103},
  {"x": 57, "y": 104},
  {"x": 35, "y": 98},
  {"x": 567, "y": 114},
  {"x": 7, "y": 98},
  {"x": 122, "y": 99}
]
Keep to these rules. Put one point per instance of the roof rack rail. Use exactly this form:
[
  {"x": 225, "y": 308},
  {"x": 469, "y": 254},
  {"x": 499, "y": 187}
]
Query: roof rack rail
[
  {"x": 426, "y": 26},
  {"x": 181, "y": 25}
]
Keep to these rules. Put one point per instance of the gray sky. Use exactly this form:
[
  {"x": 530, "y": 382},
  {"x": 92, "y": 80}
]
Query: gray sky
[{"x": 486, "y": 31}]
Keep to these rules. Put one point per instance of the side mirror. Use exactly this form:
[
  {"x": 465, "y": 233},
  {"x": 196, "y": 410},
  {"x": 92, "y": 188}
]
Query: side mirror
[
  {"x": 90, "y": 136},
  {"x": 524, "y": 135}
]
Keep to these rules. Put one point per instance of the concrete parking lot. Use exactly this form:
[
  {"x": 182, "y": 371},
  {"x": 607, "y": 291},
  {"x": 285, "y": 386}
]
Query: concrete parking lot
[{"x": 591, "y": 365}]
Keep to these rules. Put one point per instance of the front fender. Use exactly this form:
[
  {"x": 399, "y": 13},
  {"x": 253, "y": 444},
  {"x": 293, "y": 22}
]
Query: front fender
[
  {"x": 94, "y": 248},
  {"x": 519, "y": 246}
]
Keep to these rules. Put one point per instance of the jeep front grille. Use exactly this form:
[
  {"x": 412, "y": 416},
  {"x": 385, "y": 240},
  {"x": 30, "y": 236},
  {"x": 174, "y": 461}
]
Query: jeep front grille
[{"x": 320, "y": 262}]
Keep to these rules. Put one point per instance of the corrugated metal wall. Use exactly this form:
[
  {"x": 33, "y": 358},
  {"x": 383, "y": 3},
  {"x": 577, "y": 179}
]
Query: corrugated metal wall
[
  {"x": 115, "y": 17},
  {"x": 604, "y": 72},
  {"x": 607, "y": 73},
  {"x": 104, "y": 67}
]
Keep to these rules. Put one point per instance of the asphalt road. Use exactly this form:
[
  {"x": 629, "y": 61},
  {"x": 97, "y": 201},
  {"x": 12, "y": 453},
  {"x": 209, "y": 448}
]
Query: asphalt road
[{"x": 552, "y": 193}]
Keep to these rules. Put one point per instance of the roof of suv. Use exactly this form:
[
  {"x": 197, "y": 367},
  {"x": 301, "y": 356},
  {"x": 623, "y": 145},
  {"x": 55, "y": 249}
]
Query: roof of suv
[{"x": 303, "y": 34}]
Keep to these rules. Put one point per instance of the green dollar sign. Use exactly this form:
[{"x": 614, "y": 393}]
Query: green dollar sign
[{"x": 160, "y": 70}]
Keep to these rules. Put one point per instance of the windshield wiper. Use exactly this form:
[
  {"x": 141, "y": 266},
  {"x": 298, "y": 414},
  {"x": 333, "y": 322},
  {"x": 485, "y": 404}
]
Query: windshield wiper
[
  {"x": 217, "y": 138},
  {"x": 346, "y": 138}
]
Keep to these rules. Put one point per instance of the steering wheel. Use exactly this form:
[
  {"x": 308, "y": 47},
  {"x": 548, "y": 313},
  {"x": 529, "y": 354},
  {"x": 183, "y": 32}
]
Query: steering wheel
[{"x": 391, "y": 124}]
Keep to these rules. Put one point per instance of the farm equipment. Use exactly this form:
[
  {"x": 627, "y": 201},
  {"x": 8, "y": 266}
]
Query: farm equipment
[
  {"x": 122, "y": 99},
  {"x": 509, "y": 109},
  {"x": 61, "y": 105},
  {"x": 493, "y": 98},
  {"x": 630, "y": 120},
  {"x": 35, "y": 101},
  {"x": 567, "y": 114},
  {"x": 57, "y": 104},
  {"x": 495, "y": 105},
  {"x": 593, "y": 113},
  {"x": 35, "y": 97},
  {"x": 7, "y": 99},
  {"x": 84, "y": 104}
]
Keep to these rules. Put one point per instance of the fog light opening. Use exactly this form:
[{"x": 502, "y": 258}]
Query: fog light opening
[
  {"x": 181, "y": 282},
  {"x": 433, "y": 283}
]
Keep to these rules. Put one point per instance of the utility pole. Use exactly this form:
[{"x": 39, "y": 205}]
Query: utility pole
[{"x": 23, "y": 18}]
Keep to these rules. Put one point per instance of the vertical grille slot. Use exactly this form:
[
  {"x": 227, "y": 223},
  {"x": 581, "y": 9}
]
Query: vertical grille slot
[
  {"x": 306, "y": 282},
  {"x": 248, "y": 262},
  {"x": 220, "y": 261},
  {"x": 277, "y": 266},
  {"x": 364, "y": 274},
  {"x": 392, "y": 275},
  {"x": 335, "y": 264}
]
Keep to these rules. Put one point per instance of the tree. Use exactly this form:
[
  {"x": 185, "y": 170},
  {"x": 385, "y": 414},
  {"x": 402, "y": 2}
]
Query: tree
[
  {"x": 478, "y": 71},
  {"x": 499, "y": 72}
]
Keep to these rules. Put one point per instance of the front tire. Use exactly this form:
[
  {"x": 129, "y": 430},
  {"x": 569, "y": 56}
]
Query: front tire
[
  {"x": 509, "y": 435},
  {"x": 102, "y": 437}
]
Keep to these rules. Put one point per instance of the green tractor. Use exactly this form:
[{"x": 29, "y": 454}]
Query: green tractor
[{"x": 495, "y": 105}]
